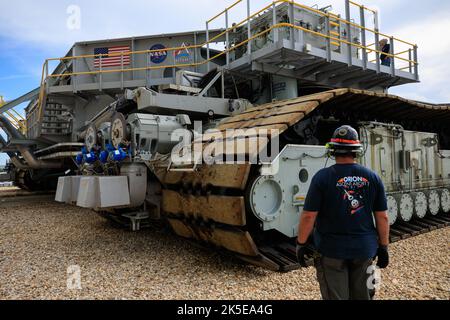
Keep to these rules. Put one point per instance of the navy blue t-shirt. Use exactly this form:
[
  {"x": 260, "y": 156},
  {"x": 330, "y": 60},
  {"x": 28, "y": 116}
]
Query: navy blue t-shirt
[{"x": 346, "y": 196}]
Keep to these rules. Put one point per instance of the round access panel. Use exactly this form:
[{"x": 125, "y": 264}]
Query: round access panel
[
  {"x": 303, "y": 175},
  {"x": 266, "y": 198}
]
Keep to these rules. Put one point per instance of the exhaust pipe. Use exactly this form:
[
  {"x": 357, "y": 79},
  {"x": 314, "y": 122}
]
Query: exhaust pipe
[
  {"x": 35, "y": 163},
  {"x": 12, "y": 156},
  {"x": 9, "y": 128},
  {"x": 32, "y": 162}
]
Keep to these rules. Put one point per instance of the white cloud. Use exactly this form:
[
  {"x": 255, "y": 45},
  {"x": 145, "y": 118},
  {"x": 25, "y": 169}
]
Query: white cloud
[{"x": 45, "y": 21}]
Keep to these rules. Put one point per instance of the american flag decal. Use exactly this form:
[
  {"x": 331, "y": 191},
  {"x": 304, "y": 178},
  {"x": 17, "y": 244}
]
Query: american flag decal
[{"x": 112, "y": 61}]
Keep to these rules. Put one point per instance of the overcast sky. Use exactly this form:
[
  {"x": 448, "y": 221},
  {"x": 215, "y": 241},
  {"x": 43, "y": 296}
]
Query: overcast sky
[{"x": 31, "y": 31}]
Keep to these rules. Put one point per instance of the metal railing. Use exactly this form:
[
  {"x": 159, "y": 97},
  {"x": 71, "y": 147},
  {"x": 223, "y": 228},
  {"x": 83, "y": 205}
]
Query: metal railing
[
  {"x": 363, "y": 7},
  {"x": 328, "y": 36},
  {"x": 16, "y": 119}
]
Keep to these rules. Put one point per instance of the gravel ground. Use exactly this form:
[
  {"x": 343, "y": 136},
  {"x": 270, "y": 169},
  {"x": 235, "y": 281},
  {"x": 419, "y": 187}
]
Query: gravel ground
[
  {"x": 40, "y": 239},
  {"x": 3, "y": 189},
  {"x": 6, "y": 192}
]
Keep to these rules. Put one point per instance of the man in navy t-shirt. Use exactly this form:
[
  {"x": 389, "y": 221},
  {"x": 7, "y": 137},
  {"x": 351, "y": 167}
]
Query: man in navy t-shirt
[{"x": 347, "y": 205}]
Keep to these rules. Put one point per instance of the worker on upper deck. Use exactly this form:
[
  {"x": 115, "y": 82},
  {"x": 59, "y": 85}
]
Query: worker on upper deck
[
  {"x": 341, "y": 204},
  {"x": 385, "y": 47}
]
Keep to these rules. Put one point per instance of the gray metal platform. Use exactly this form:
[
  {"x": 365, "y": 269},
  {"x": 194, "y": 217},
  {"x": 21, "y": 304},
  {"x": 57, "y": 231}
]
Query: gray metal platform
[{"x": 312, "y": 65}]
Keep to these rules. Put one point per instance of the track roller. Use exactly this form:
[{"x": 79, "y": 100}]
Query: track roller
[
  {"x": 434, "y": 202},
  {"x": 392, "y": 209},
  {"x": 420, "y": 204},
  {"x": 445, "y": 200},
  {"x": 90, "y": 139},
  {"x": 406, "y": 207}
]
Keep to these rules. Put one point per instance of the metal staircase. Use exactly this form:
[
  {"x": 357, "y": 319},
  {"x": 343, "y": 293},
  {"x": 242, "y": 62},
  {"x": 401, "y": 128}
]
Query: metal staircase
[{"x": 52, "y": 122}]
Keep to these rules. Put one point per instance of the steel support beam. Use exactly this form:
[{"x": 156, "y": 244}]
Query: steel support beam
[
  {"x": 267, "y": 68},
  {"x": 377, "y": 42},
  {"x": 364, "y": 77},
  {"x": 346, "y": 75},
  {"x": 363, "y": 37},
  {"x": 26, "y": 97},
  {"x": 377, "y": 82},
  {"x": 311, "y": 68},
  {"x": 325, "y": 73},
  {"x": 349, "y": 32}
]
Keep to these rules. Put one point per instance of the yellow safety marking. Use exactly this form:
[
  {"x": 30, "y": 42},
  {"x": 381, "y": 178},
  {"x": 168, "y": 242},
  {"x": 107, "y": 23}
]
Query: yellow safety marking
[{"x": 334, "y": 24}]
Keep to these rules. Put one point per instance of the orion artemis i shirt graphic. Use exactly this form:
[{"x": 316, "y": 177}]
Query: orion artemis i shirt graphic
[{"x": 353, "y": 192}]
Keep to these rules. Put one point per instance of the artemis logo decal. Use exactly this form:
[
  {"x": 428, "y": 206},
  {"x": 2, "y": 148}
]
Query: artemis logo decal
[{"x": 183, "y": 55}]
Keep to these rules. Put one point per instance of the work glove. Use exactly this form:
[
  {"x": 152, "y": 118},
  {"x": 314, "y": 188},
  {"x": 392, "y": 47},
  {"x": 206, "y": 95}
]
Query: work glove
[
  {"x": 304, "y": 253},
  {"x": 383, "y": 257}
]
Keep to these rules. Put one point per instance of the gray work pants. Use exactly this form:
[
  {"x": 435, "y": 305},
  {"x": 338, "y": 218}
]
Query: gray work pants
[{"x": 343, "y": 279}]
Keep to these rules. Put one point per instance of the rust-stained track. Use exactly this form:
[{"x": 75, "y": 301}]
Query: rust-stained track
[{"x": 209, "y": 204}]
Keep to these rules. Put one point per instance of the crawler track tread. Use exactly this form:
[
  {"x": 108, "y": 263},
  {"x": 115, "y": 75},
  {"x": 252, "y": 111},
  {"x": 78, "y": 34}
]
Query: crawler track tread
[{"x": 281, "y": 116}]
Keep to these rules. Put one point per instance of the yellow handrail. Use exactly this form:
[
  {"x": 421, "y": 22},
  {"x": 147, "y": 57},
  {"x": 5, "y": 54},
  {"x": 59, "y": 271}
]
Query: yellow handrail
[
  {"x": 19, "y": 125},
  {"x": 13, "y": 122},
  {"x": 18, "y": 114},
  {"x": 17, "y": 121},
  {"x": 221, "y": 13},
  {"x": 396, "y": 55},
  {"x": 403, "y": 52},
  {"x": 279, "y": 25},
  {"x": 363, "y": 7},
  {"x": 223, "y": 33},
  {"x": 42, "y": 89}
]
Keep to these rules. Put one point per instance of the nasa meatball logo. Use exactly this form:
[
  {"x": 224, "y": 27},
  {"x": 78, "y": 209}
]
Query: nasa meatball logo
[{"x": 159, "y": 56}]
